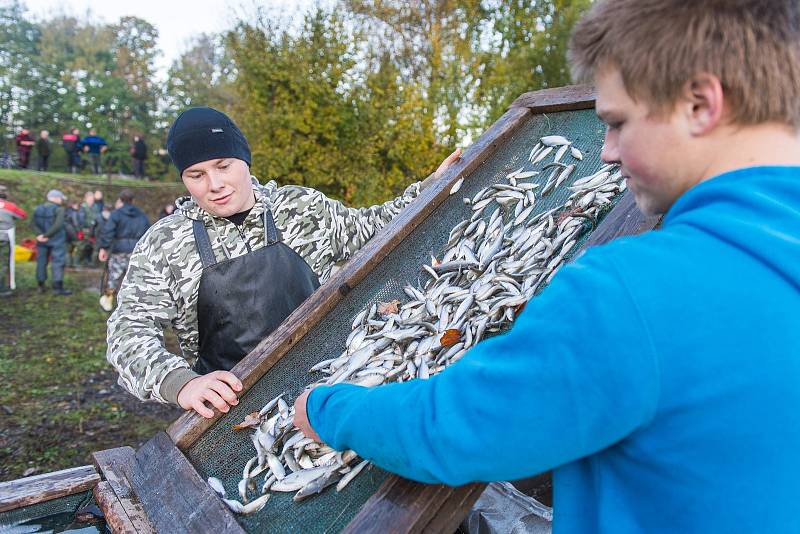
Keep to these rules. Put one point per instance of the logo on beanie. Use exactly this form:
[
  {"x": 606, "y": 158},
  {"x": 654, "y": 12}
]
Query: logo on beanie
[{"x": 217, "y": 130}]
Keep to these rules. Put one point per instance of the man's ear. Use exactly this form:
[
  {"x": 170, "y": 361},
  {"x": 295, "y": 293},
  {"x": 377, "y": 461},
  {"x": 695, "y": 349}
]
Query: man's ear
[{"x": 705, "y": 103}]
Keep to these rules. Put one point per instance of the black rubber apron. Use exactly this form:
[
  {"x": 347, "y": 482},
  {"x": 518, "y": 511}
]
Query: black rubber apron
[{"x": 242, "y": 300}]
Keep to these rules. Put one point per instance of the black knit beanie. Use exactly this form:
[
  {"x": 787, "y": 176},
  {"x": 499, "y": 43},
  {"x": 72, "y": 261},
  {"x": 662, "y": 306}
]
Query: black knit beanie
[{"x": 201, "y": 134}]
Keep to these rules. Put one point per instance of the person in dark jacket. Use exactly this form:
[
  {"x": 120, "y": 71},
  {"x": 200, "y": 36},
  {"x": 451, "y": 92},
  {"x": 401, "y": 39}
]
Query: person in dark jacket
[
  {"x": 117, "y": 240},
  {"x": 87, "y": 236},
  {"x": 51, "y": 241},
  {"x": 72, "y": 146},
  {"x": 24, "y": 147},
  {"x": 43, "y": 149},
  {"x": 139, "y": 154},
  {"x": 166, "y": 211},
  {"x": 72, "y": 224},
  {"x": 99, "y": 203}
]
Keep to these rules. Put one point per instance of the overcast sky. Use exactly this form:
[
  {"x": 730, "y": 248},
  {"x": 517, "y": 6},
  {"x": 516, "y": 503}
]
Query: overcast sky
[{"x": 176, "y": 20}]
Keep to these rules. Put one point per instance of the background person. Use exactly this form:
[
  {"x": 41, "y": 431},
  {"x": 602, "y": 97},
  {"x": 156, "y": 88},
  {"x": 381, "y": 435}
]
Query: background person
[
  {"x": 43, "y": 150},
  {"x": 51, "y": 242},
  {"x": 138, "y": 152},
  {"x": 25, "y": 144},
  {"x": 166, "y": 211},
  {"x": 72, "y": 226},
  {"x": 9, "y": 214},
  {"x": 99, "y": 204},
  {"x": 87, "y": 220},
  {"x": 125, "y": 226},
  {"x": 71, "y": 142},
  {"x": 95, "y": 146}
]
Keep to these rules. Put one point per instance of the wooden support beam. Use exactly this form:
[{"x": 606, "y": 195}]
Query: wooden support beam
[
  {"x": 114, "y": 514},
  {"x": 40, "y": 488},
  {"x": 173, "y": 494},
  {"x": 114, "y": 495}
]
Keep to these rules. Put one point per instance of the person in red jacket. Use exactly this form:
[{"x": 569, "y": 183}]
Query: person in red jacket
[
  {"x": 9, "y": 213},
  {"x": 24, "y": 147}
]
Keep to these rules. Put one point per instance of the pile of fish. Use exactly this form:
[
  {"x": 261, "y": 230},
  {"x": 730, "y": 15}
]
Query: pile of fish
[{"x": 492, "y": 265}]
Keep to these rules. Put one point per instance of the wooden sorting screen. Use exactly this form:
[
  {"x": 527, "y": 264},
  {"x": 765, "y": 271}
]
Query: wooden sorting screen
[{"x": 318, "y": 329}]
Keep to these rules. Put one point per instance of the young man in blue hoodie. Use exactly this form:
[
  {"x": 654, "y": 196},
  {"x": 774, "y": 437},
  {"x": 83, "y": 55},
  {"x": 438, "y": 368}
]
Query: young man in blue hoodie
[{"x": 667, "y": 398}]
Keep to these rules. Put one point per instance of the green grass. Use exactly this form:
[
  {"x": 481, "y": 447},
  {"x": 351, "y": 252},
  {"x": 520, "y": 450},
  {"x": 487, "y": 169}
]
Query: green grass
[{"x": 59, "y": 401}]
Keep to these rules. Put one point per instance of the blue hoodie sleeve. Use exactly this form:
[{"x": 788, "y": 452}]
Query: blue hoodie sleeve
[{"x": 576, "y": 374}]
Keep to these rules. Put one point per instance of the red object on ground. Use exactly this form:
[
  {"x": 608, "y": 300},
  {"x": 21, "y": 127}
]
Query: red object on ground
[{"x": 30, "y": 244}]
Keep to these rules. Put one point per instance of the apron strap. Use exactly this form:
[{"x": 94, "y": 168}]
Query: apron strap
[
  {"x": 271, "y": 231},
  {"x": 203, "y": 244}
]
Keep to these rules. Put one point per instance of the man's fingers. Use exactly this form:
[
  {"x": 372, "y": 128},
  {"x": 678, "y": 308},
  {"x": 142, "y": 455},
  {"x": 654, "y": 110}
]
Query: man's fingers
[
  {"x": 224, "y": 391},
  {"x": 449, "y": 160},
  {"x": 199, "y": 406},
  {"x": 301, "y": 416},
  {"x": 229, "y": 378},
  {"x": 454, "y": 156},
  {"x": 213, "y": 397}
]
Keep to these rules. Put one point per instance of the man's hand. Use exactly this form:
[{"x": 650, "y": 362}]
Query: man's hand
[
  {"x": 42, "y": 239},
  {"x": 449, "y": 160},
  {"x": 218, "y": 388},
  {"x": 301, "y": 416},
  {"x": 102, "y": 255}
]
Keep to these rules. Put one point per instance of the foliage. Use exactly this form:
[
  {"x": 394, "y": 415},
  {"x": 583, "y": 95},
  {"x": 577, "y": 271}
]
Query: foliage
[{"x": 358, "y": 99}]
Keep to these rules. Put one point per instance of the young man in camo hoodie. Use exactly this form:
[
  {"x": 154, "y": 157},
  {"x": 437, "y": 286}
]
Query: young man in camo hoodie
[{"x": 227, "y": 267}]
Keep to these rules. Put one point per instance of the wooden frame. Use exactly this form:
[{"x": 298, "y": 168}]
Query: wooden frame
[
  {"x": 122, "y": 510},
  {"x": 45, "y": 487},
  {"x": 401, "y": 505}
]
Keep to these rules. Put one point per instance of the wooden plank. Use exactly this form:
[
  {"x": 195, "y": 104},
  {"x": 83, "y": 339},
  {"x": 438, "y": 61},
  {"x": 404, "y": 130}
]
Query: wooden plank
[
  {"x": 113, "y": 512},
  {"x": 395, "y": 506},
  {"x": 191, "y": 426},
  {"x": 40, "y": 488},
  {"x": 568, "y": 98},
  {"x": 173, "y": 494},
  {"x": 401, "y": 505},
  {"x": 115, "y": 465}
]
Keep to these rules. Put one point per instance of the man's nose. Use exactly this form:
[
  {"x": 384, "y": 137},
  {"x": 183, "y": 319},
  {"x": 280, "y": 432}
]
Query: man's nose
[
  {"x": 215, "y": 180},
  {"x": 609, "y": 154}
]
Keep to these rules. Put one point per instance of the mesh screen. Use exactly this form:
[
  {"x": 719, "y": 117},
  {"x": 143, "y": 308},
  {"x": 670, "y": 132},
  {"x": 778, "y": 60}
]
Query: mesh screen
[
  {"x": 222, "y": 453},
  {"x": 53, "y": 515}
]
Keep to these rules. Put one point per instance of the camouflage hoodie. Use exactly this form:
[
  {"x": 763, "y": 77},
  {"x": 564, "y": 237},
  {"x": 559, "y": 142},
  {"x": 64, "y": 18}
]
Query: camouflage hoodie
[{"x": 160, "y": 287}]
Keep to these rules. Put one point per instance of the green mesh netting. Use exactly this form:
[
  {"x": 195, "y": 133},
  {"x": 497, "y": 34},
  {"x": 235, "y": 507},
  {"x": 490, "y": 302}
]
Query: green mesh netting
[{"x": 55, "y": 515}]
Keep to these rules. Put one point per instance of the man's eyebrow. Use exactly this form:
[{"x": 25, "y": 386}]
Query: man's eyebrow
[{"x": 606, "y": 115}]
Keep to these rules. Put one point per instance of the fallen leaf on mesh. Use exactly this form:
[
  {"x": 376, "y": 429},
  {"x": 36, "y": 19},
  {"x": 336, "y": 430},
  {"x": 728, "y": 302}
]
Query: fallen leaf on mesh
[
  {"x": 250, "y": 420},
  {"x": 385, "y": 308},
  {"x": 450, "y": 337}
]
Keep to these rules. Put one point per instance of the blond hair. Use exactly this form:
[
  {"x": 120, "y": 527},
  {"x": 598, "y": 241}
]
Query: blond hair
[{"x": 752, "y": 46}]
